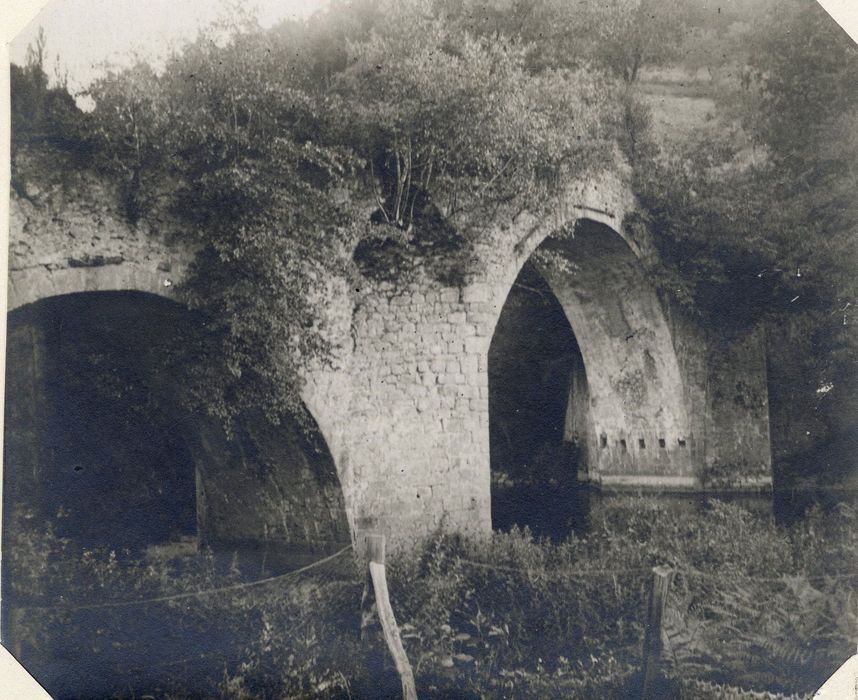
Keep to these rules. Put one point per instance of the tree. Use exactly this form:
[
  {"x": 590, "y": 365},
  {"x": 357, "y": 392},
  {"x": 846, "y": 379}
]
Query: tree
[
  {"x": 772, "y": 241},
  {"x": 247, "y": 133},
  {"x": 39, "y": 111},
  {"x": 405, "y": 97},
  {"x": 632, "y": 34},
  {"x": 129, "y": 131}
]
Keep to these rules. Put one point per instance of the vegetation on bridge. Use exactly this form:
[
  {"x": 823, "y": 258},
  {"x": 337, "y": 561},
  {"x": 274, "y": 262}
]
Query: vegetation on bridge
[
  {"x": 452, "y": 115},
  {"x": 247, "y": 135}
]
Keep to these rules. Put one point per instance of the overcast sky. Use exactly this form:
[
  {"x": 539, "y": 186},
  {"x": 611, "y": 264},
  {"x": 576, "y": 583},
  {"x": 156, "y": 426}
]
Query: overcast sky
[{"x": 86, "y": 33}]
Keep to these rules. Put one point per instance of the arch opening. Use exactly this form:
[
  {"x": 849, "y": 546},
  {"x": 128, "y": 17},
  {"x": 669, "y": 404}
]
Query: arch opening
[
  {"x": 582, "y": 330},
  {"x": 101, "y": 449},
  {"x": 91, "y": 446},
  {"x": 112, "y": 486},
  {"x": 537, "y": 412}
]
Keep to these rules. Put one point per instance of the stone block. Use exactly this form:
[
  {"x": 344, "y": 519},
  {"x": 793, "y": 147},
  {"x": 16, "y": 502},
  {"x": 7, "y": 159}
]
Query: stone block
[
  {"x": 475, "y": 345},
  {"x": 470, "y": 365},
  {"x": 476, "y": 293}
]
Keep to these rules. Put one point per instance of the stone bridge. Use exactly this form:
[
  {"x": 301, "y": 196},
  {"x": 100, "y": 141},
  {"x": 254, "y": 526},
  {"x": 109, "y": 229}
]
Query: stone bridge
[{"x": 405, "y": 412}]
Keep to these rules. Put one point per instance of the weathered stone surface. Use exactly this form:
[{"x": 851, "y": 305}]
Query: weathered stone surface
[
  {"x": 404, "y": 410},
  {"x": 102, "y": 457}
]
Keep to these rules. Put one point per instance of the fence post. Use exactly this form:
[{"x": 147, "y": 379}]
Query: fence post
[
  {"x": 375, "y": 602},
  {"x": 375, "y": 552},
  {"x": 662, "y": 577}
]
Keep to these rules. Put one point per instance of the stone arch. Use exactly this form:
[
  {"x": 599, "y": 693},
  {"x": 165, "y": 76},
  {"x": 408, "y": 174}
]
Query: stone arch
[
  {"x": 604, "y": 200},
  {"x": 270, "y": 489},
  {"x": 638, "y": 414},
  {"x": 635, "y": 418},
  {"x": 27, "y": 286}
]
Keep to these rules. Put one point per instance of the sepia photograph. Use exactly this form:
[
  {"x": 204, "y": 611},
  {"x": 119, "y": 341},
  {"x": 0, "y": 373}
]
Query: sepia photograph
[{"x": 438, "y": 349}]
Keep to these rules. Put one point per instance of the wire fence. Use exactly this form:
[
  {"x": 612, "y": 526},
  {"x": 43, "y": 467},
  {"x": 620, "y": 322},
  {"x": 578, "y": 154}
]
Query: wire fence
[
  {"x": 567, "y": 573},
  {"x": 703, "y": 602},
  {"x": 685, "y": 640},
  {"x": 190, "y": 640},
  {"x": 685, "y": 571},
  {"x": 280, "y": 578}
]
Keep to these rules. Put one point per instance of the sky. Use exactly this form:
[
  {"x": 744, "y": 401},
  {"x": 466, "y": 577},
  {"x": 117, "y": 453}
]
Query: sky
[{"x": 85, "y": 34}]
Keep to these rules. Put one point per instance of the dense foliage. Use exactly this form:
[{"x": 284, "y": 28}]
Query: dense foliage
[
  {"x": 759, "y": 206},
  {"x": 576, "y": 610},
  {"x": 251, "y": 136},
  {"x": 755, "y": 218},
  {"x": 751, "y": 606},
  {"x": 440, "y": 117}
]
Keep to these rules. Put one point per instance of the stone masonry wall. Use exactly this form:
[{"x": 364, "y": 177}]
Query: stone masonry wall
[
  {"x": 72, "y": 236},
  {"x": 738, "y": 452},
  {"x": 637, "y": 407},
  {"x": 727, "y": 393},
  {"x": 416, "y": 442},
  {"x": 404, "y": 409}
]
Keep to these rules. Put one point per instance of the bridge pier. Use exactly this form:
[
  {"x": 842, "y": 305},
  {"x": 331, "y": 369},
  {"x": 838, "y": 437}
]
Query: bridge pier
[{"x": 405, "y": 411}]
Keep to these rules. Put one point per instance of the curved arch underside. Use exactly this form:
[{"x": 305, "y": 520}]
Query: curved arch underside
[
  {"x": 28, "y": 286},
  {"x": 94, "y": 400},
  {"x": 629, "y": 416}
]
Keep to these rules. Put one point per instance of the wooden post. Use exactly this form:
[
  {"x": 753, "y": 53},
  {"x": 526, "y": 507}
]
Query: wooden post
[
  {"x": 375, "y": 603},
  {"x": 662, "y": 577},
  {"x": 391, "y": 631},
  {"x": 368, "y": 615}
]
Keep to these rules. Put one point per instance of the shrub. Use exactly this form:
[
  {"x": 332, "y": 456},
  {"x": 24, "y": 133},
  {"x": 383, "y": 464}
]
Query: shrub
[
  {"x": 752, "y": 607},
  {"x": 751, "y": 604}
]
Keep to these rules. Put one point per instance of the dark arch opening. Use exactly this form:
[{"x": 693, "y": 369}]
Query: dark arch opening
[
  {"x": 91, "y": 445},
  {"x": 536, "y": 440},
  {"x": 101, "y": 448},
  {"x": 102, "y": 454}
]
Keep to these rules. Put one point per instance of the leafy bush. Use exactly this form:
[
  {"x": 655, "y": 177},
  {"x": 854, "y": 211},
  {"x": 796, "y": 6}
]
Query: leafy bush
[
  {"x": 177, "y": 625},
  {"x": 752, "y": 606}
]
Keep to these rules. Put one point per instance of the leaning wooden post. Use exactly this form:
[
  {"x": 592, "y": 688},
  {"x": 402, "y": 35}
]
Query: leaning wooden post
[
  {"x": 376, "y": 601},
  {"x": 375, "y": 546},
  {"x": 662, "y": 577}
]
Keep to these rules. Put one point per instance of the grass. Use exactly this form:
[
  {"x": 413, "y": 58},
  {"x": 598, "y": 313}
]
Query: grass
[{"x": 753, "y": 606}]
